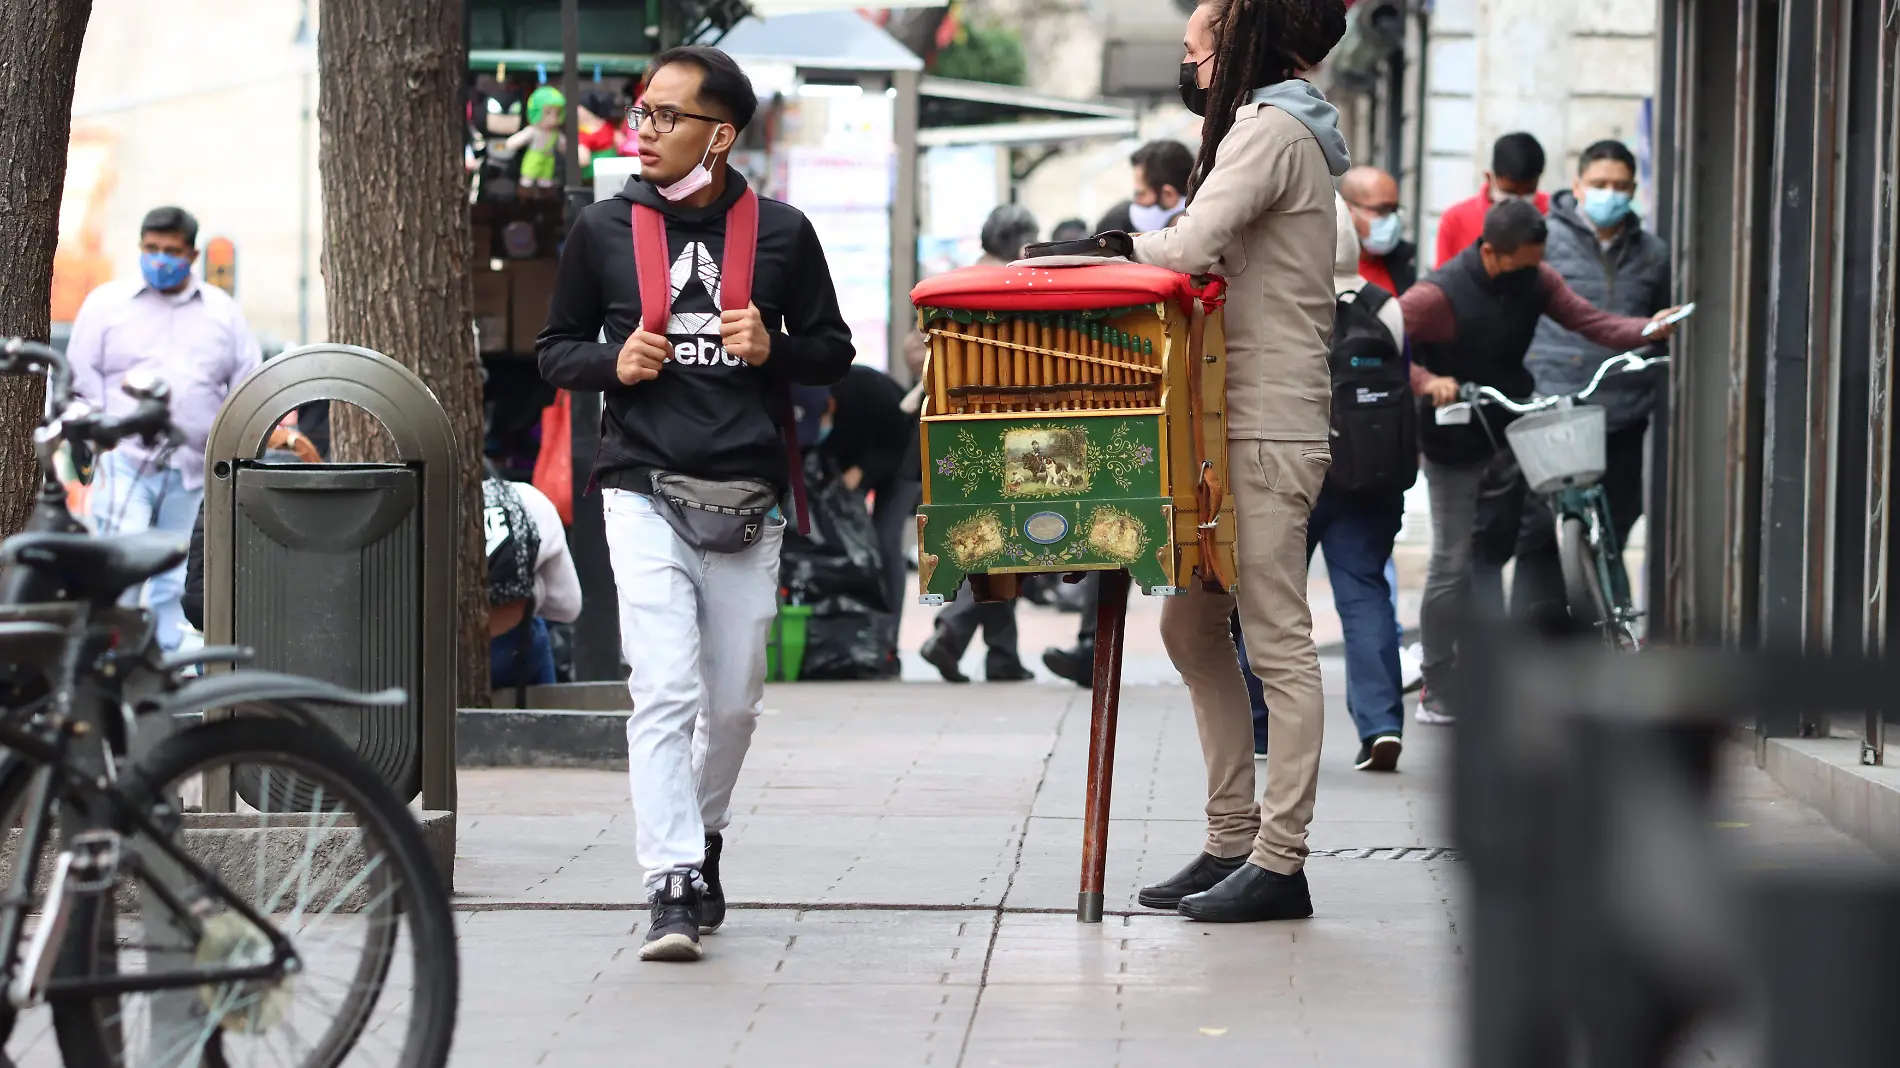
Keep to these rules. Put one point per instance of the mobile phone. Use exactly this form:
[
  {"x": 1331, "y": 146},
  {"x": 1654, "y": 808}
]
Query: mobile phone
[{"x": 1683, "y": 313}]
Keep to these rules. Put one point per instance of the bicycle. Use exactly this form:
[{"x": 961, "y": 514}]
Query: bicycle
[
  {"x": 130, "y": 795},
  {"x": 1560, "y": 447}
]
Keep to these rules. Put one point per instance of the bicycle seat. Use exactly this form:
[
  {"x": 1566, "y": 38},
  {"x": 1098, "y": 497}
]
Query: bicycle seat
[{"x": 94, "y": 567}]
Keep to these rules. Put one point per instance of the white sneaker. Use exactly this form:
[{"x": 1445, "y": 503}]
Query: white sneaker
[
  {"x": 1412, "y": 666},
  {"x": 1431, "y": 713}
]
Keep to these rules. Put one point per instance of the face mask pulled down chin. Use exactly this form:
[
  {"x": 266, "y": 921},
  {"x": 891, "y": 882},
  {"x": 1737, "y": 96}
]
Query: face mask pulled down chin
[
  {"x": 1193, "y": 97},
  {"x": 1148, "y": 218},
  {"x": 696, "y": 179}
]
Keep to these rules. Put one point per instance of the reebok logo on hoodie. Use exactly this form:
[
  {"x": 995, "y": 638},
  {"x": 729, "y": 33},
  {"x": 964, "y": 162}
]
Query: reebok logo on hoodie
[{"x": 709, "y": 414}]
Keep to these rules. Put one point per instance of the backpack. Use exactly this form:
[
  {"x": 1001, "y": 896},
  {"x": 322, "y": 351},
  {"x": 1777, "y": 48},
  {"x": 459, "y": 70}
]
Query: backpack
[
  {"x": 1375, "y": 423},
  {"x": 735, "y": 293},
  {"x": 513, "y": 543}
]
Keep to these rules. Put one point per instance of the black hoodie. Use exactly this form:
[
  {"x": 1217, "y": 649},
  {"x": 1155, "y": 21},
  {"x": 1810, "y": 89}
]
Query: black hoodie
[{"x": 708, "y": 414}]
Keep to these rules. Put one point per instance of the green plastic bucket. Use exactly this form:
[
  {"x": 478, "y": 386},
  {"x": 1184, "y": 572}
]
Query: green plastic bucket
[{"x": 785, "y": 649}]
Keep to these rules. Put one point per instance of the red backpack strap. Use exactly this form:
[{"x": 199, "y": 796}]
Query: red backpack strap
[
  {"x": 649, "y": 259},
  {"x": 735, "y": 294},
  {"x": 742, "y": 246}
]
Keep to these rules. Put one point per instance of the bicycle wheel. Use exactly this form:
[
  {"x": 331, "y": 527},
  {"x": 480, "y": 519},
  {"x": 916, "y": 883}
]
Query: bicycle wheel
[
  {"x": 26, "y": 1035},
  {"x": 1589, "y": 606},
  {"x": 321, "y": 849}
]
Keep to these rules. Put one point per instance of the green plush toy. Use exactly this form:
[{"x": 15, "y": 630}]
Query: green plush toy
[{"x": 541, "y": 138}]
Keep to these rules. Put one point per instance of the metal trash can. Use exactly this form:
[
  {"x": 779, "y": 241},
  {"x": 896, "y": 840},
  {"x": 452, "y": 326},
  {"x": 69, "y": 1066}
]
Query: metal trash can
[{"x": 343, "y": 571}]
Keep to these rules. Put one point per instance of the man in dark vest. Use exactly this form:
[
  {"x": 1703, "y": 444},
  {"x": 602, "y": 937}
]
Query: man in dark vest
[{"x": 1472, "y": 320}]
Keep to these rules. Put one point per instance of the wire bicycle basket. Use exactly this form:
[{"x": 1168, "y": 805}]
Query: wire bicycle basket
[{"x": 1559, "y": 447}]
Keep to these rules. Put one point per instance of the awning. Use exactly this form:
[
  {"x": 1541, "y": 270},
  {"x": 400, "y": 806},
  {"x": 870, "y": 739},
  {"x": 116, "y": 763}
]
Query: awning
[
  {"x": 956, "y": 112},
  {"x": 818, "y": 40},
  {"x": 774, "y": 8}
]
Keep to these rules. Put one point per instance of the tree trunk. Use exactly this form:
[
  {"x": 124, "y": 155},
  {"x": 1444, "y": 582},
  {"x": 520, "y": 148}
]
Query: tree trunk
[
  {"x": 396, "y": 245},
  {"x": 39, "y": 58}
]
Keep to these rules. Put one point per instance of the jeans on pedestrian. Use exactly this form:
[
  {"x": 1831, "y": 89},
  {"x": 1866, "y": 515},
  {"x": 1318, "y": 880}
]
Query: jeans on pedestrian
[
  {"x": 1537, "y": 589},
  {"x": 693, "y": 627},
  {"x": 1392, "y": 583},
  {"x": 126, "y": 500},
  {"x": 537, "y": 659},
  {"x": 1356, "y": 534},
  {"x": 1256, "y": 694},
  {"x": 1454, "y": 492}
]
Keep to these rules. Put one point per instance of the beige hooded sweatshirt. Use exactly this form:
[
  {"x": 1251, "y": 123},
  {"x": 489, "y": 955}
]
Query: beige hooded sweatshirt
[{"x": 1264, "y": 219}]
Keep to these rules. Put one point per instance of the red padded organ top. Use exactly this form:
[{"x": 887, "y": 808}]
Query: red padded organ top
[{"x": 1109, "y": 285}]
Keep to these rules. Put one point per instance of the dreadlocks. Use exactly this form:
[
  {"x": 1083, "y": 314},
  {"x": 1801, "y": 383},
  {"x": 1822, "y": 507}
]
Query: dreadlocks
[{"x": 1258, "y": 43}]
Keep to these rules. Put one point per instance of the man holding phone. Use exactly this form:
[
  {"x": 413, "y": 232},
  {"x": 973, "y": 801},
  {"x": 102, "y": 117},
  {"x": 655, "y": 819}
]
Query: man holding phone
[
  {"x": 1599, "y": 247},
  {"x": 1473, "y": 320}
]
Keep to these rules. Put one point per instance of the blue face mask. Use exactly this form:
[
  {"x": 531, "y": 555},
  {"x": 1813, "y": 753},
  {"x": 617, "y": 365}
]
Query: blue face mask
[
  {"x": 164, "y": 271},
  {"x": 1605, "y": 207},
  {"x": 1383, "y": 235}
]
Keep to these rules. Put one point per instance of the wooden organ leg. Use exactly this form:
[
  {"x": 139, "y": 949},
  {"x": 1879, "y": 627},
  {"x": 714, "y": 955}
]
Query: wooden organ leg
[{"x": 1104, "y": 706}]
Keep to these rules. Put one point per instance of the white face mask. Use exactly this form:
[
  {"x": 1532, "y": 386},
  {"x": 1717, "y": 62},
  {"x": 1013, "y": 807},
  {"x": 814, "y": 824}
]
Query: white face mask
[
  {"x": 1148, "y": 218},
  {"x": 696, "y": 179},
  {"x": 1383, "y": 235}
]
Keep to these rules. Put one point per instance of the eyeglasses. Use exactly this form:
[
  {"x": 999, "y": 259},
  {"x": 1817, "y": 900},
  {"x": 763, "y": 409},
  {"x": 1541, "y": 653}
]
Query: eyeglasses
[{"x": 664, "y": 119}]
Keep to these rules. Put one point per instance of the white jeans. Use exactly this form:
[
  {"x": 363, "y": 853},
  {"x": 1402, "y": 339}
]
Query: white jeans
[{"x": 693, "y": 626}]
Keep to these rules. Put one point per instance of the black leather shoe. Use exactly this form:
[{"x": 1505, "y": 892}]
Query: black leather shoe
[
  {"x": 1012, "y": 671},
  {"x": 1251, "y": 895},
  {"x": 1202, "y": 873},
  {"x": 1077, "y": 664},
  {"x": 938, "y": 657},
  {"x": 712, "y": 900}
]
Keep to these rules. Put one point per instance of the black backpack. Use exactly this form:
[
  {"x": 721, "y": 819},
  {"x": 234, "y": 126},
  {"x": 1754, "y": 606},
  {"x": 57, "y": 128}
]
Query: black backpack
[
  {"x": 1375, "y": 423},
  {"x": 513, "y": 543}
]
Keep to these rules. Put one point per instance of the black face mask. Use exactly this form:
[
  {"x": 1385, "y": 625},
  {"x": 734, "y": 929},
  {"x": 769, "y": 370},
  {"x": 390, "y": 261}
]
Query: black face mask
[
  {"x": 1193, "y": 97},
  {"x": 1519, "y": 283}
]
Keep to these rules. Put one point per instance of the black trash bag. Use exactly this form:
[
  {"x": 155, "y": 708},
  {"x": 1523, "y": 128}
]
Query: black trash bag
[{"x": 838, "y": 571}]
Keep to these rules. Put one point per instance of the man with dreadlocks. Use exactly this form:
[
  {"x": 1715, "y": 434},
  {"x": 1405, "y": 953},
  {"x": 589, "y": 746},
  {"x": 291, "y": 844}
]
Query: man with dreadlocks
[{"x": 1260, "y": 214}]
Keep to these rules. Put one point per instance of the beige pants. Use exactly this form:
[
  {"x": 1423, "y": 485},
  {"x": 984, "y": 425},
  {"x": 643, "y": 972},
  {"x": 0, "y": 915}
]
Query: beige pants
[{"x": 1274, "y": 484}]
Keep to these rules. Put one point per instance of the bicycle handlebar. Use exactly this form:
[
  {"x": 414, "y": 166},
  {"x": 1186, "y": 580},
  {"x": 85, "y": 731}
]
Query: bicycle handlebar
[
  {"x": 1628, "y": 363},
  {"x": 68, "y": 418}
]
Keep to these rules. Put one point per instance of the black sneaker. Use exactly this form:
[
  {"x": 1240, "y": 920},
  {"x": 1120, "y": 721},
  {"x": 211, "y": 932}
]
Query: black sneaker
[
  {"x": 1077, "y": 664},
  {"x": 1379, "y": 754},
  {"x": 938, "y": 657},
  {"x": 712, "y": 902},
  {"x": 1007, "y": 671},
  {"x": 673, "y": 933}
]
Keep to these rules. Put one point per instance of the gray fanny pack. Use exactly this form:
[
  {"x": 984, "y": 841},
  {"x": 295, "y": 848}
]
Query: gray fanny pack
[{"x": 718, "y": 517}]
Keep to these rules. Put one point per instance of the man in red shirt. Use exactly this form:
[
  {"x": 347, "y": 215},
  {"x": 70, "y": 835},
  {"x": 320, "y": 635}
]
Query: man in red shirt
[
  {"x": 1517, "y": 164},
  {"x": 1386, "y": 259}
]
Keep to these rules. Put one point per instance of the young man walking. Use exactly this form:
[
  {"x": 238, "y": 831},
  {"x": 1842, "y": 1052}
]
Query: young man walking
[{"x": 693, "y": 458}]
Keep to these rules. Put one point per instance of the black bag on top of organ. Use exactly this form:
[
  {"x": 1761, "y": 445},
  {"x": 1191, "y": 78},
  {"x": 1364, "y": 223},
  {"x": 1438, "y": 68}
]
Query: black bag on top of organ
[{"x": 1375, "y": 424}]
